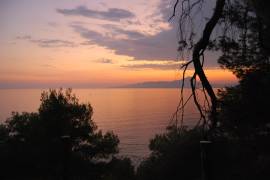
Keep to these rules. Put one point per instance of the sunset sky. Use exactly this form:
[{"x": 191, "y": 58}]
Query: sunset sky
[{"x": 91, "y": 43}]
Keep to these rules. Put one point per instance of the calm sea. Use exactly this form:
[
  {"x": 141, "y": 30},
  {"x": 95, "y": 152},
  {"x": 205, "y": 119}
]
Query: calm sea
[{"x": 135, "y": 115}]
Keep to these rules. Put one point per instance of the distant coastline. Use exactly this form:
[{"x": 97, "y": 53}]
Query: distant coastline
[
  {"x": 170, "y": 84},
  {"x": 147, "y": 84}
]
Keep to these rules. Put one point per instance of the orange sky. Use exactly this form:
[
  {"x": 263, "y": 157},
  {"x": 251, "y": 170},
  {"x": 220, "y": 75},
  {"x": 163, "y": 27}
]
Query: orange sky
[{"x": 95, "y": 43}]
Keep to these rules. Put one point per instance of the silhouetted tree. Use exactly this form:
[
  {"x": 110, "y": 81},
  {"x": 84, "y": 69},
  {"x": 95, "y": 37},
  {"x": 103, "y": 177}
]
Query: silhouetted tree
[
  {"x": 174, "y": 155},
  {"x": 59, "y": 141}
]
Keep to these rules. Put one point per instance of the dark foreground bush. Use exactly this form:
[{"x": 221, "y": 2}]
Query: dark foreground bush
[{"x": 176, "y": 155}]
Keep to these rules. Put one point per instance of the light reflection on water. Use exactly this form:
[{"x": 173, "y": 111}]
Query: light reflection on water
[{"x": 135, "y": 115}]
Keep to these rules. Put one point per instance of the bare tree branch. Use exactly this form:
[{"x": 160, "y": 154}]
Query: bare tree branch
[
  {"x": 201, "y": 46},
  {"x": 174, "y": 10},
  {"x": 197, "y": 58}
]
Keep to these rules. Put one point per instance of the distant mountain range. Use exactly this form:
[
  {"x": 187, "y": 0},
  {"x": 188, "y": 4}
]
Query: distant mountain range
[{"x": 168, "y": 84}]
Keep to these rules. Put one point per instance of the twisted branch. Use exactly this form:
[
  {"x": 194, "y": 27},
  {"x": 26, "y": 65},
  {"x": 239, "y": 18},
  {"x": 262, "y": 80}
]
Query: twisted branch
[{"x": 198, "y": 52}]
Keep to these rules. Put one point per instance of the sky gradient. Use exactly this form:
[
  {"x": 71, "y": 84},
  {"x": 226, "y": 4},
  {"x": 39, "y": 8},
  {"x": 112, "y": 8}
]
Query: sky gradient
[{"x": 91, "y": 43}]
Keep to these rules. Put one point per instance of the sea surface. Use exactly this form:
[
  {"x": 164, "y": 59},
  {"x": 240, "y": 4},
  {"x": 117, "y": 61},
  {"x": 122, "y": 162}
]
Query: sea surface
[{"x": 135, "y": 115}]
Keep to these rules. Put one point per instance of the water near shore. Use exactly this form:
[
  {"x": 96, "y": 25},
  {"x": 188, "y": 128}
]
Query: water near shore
[{"x": 135, "y": 115}]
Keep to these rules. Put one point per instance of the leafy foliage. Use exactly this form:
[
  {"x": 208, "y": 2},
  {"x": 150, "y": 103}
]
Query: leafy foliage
[{"x": 242, "y": 40}]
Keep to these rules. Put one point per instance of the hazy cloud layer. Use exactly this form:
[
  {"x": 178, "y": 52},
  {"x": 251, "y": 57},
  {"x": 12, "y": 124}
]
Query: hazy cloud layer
[
  {"x": 141, "y": 46},
  {"x": 112, "y": 14},
  {"x": 162, "y": 46},
  {"x": 48, "y": 43}
]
